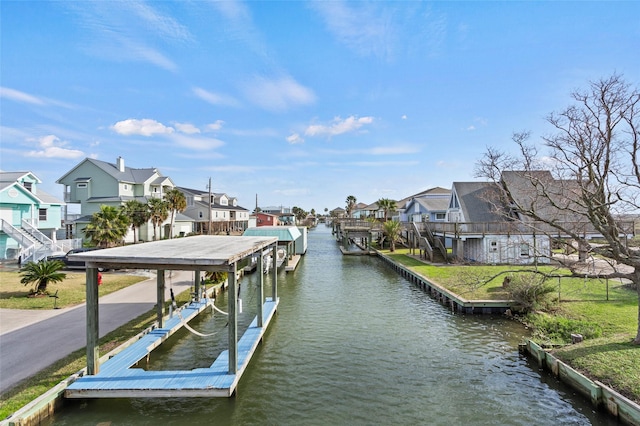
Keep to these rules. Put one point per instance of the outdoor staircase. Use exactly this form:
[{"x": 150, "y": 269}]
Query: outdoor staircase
[
  {"x": 427, "y": 241},
  {"x": 34, "y": 245}
]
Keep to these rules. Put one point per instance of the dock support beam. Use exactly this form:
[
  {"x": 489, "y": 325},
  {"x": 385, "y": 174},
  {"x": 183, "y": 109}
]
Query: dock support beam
[
  {"x": 274, "y": 284},
  {"x": 160, "y": 298},
  {"x": 233, "y": 319},
  {"x": 93, "y": 332},
  {"x": 196, "y": 286},
  {"x": 260, "y": 290}
]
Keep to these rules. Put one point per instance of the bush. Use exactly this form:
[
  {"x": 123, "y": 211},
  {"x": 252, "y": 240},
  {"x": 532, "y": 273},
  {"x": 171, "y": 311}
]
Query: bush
[{"x": 530, "y": 291}]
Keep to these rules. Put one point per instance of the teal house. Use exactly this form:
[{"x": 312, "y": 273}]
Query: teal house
[{"x": 30, "y": 218}]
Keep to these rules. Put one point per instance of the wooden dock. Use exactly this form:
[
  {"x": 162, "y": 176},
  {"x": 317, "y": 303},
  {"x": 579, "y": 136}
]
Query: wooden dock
[
  {"x": 293, "y": 263},
  {"x": 117, "y": 379}
]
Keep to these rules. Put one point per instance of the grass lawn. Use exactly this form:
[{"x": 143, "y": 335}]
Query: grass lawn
[
  {"x": 71, "y": 291},
  {"x": 608, "y": 304}
]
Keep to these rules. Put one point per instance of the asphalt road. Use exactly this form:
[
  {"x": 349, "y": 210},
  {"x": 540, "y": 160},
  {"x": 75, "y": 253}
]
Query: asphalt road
[{"x": 31, "y": 340}]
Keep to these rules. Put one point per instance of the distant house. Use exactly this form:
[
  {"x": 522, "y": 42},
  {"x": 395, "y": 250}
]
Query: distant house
[
  {"x": 360, "y": 211},
  {"x": 221, "y": 211},
  {"x": 426, "y": 206},
  {"x": 285, "y": 214},
  {"x": 265, "y": 219},
  {"x": 30, "y": 218},
  {"x": 338, "y": 212},
  {"x": 93, "y": 183}
]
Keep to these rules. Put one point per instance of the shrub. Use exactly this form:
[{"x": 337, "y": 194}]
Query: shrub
[{"x": 530, "y": 291}]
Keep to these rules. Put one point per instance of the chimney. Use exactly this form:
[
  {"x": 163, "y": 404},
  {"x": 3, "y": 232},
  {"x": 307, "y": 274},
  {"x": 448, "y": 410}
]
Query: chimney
[{"x": 120, "y": 164}]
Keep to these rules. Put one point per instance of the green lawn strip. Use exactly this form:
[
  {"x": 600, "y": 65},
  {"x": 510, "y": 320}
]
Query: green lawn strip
[
  {"x": 612, "y": 360},
  {"x": 610, "y": 305},
  {"x": 71, "y": 291},
  {"x": 46, "y": 379}
]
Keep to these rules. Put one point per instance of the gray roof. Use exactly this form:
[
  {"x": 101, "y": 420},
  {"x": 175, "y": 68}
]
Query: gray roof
[
  {"x": 433, "y": 204},
  {"x": 537, "y": 191},
  {"x": 8, "y": 179},
  {"x": 477, "y": 201},
  {"x": 129, "y": 174}
]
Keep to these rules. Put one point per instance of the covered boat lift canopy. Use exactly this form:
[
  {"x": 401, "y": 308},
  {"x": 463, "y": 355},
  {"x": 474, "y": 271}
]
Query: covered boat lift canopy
[{"x": 197, "y": 253}]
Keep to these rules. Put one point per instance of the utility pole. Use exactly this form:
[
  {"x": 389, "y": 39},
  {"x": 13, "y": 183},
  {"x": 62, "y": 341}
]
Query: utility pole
[{"x": 209, "y": 208}]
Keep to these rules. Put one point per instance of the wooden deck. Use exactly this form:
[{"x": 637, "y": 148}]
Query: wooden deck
[{"x": 117, "y": 379}]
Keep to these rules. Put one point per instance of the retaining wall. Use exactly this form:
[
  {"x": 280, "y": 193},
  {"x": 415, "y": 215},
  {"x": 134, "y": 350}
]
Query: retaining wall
[
  {"x": 601, "y": 396},
  {"x": 446, "y": 297}
]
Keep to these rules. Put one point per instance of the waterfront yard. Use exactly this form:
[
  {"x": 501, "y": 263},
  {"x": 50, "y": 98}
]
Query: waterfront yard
[{"x": 605, "y": 311}]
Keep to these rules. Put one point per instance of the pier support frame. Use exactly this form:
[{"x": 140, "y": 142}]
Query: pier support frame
[
  {"x": 233, "y": 319},
  {"x": 93, "y": 331}
]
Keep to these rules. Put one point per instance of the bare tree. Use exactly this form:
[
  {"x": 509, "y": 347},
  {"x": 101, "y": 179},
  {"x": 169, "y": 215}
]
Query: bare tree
[{"x": 592, "y": 180}]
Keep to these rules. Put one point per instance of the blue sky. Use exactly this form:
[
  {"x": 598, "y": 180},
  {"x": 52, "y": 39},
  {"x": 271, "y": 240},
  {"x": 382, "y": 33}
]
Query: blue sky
[{"x": 301, "y": 103}]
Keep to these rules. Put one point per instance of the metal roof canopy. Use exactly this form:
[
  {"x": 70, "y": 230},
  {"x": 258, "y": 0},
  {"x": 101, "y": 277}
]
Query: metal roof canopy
[
  {"x": 197, "y": 253},
  {"x": 283, "y": 233}
]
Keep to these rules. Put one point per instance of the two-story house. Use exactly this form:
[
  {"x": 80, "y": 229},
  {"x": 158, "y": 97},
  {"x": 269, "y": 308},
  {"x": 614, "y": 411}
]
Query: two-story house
[
  {"x": 93, "y": 183},
  {"x": 216, "y": 211},
  {"x": 30, "y": 218}
]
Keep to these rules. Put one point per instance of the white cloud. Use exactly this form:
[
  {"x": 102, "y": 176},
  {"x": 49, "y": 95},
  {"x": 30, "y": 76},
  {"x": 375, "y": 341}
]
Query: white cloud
[
  {"x": 278, "y": 94},
  {"x": 196, "y": 143},
  {"x": 187, "y": 128},
  {"x": 215, "y": 126},
  {"x": 295, "y": 138},
  {"x": 404, "y": 117},
  {"x": 144, "y": 127},
  {"x": 52, "y": 147},
  {"x": 338, "y": 126},
  {"x": 215, "y": 98},
  {"x": 18, "y": 96}
]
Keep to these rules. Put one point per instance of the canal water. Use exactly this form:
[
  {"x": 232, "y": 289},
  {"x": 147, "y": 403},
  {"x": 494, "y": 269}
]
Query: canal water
[{"x": 353, "y": 343}]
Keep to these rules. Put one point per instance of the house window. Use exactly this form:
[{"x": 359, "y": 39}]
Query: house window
[
  {"x": 126, "y": 187},
  {"x": 524, "y": 250},
  {"x": 200, "y": 215},
  {"x": 440, "y": 216},
  {"x": 42, "y": 214},
  {"x": 27, "y": 185},
  {"x": 81, "y": 185},
  {"x": 493, "y": 246}
]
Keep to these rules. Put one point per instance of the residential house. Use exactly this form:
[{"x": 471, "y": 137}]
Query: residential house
[
  {"x": 338, "y": 212},
  {"x": 266, "y": 219},
  {"x": 216, "y": 211},
  {"x": 93, "y": 183},
  {"x": 360, "y": 211},
  {"x": 426, "y": 206},
  {"x": 285, "y": 214},
  {"x": 30, "y": 218},
  {"x": 486, "y": 224}
]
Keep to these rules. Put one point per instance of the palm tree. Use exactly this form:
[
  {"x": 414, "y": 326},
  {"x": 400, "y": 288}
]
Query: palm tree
[
  {"x": 176, "y": 202},
  {"x": 108, "y": 226},
  {"x": 388, "y": 206},
  {"x": 42, "y": 273},
  {"x": 351, "y": 204},
  {"x": 158, "y": 213},
  {"x": 138, "y": 214},
  {"x": 392, "y": 230}
]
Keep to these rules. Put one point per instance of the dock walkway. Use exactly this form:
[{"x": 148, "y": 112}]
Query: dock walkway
[{"x": 116, "y": 378}]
